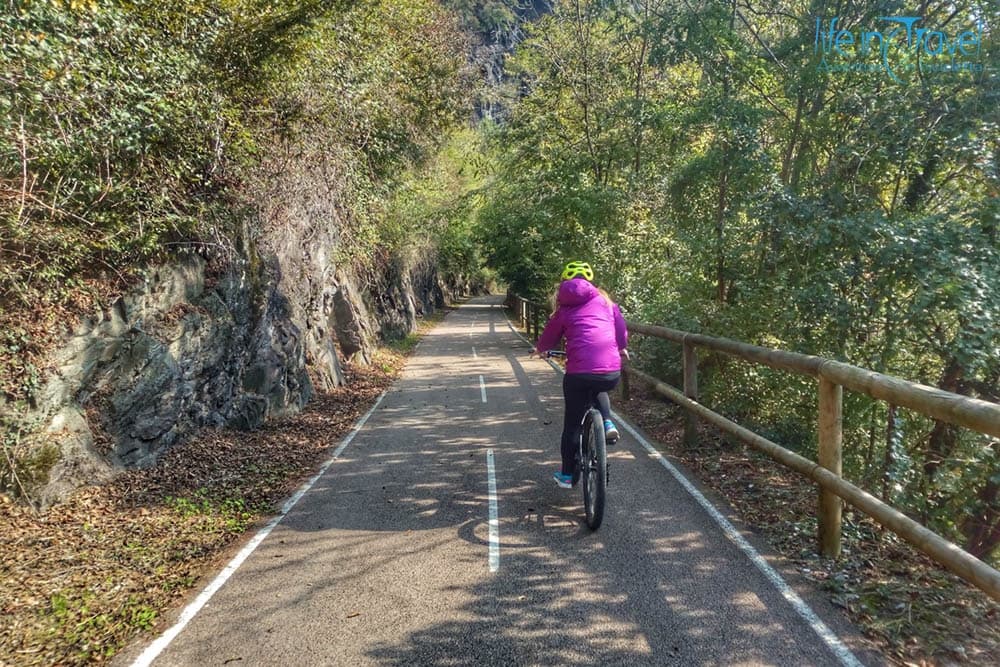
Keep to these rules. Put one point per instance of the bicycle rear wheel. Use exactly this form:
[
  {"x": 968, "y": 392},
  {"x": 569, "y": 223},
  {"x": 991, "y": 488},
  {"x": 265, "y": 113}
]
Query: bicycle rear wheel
[{"x": 594, "y": 469}]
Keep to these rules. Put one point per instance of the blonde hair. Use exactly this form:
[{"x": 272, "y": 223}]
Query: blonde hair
[{"x": 554, "y": 297}]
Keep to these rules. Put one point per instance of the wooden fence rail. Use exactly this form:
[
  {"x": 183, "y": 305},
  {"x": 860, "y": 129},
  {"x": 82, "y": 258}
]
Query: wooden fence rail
[{"x": 832, "y": 377}]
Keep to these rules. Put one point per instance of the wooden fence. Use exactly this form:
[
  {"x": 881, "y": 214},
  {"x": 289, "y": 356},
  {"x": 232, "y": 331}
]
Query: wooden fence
[{"x": 832, "y": 377}]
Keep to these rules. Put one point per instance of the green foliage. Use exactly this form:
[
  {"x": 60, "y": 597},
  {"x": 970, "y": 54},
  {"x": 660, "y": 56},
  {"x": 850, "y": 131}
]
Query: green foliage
[
  {"x": 371, "y": 91},
  {"x": 721, "y": 182},
  {"x": 435, "y": 206},
  {"x": 125, "y": 125},
  {"x": 128, "y": 129},
  {"x": 106, "y": 140},
  {"x": 572, "y": 155},
  {"x": 232, "y": 515}
]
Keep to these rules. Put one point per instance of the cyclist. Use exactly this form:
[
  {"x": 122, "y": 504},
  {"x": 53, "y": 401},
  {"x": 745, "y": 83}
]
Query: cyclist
[{"x": 596, "y": 341}]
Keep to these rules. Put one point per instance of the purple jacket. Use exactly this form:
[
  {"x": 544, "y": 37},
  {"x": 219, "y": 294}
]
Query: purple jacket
[{"x": 593, "y": 326}]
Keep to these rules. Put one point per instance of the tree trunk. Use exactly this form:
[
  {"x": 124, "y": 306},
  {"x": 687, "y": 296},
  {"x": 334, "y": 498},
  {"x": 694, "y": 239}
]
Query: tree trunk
[
  {"x": 872, "y": 437},
  {"x": 786, "y": 164},
  {"x": 640, "y": 66},
  {"x": 982, "y": 528},
  {"x": 720, "y": 249},
  {"x": 943, "y": 437}
]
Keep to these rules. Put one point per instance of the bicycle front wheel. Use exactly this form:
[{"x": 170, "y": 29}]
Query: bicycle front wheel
[{"x": 594, "y": 469}]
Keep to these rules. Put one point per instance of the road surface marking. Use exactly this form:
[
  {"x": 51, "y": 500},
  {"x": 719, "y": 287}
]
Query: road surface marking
[
  {"x": 808, "y": 615},
  {"x": 157, "y": 647},
  {"x": 494, "y": 521},
  {"x": 474, "y": 355},
  {"x": 482, "y": 387}
]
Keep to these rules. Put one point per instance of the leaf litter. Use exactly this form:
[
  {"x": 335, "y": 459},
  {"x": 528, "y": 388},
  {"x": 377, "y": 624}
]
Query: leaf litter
[{"x": 81, "y": 580}]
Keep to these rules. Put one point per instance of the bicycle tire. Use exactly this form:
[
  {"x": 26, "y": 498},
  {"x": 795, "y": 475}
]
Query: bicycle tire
[{"x": 594, "y": 473}]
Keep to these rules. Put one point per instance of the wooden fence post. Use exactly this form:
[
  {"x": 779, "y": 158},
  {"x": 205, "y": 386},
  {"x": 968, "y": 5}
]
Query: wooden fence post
[
  {"x": 831, "y": 409},
  {"x": 691, "y": 391}
]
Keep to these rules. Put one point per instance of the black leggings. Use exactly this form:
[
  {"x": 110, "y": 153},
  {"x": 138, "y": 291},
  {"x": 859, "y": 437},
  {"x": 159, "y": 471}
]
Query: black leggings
[{"x": 578, "y": 389}]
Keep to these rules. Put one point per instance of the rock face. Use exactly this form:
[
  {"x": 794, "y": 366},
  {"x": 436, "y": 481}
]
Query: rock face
[{"x": 184, "y": 350}]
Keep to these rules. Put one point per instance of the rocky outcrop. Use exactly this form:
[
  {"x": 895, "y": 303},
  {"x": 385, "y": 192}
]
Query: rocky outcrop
[
  {"x": 170, "y": 357},
  {"x": 351, "y": 323},
  {"x": 188, "y": 348}
]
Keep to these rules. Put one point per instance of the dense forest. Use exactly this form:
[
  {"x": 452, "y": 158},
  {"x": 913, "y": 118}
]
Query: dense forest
[{"x": 821, "y": 176}]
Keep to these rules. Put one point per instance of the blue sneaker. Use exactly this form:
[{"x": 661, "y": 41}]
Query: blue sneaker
[
  {"x": 565, "y": 481},
  {"x": 610, "y": 432}
]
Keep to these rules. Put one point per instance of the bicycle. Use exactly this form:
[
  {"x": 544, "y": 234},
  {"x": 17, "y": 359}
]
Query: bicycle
[{"x": 591, "y": 460}]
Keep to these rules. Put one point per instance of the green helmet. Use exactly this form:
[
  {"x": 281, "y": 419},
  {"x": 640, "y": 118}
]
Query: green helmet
[{"x": 574, "y": 269}]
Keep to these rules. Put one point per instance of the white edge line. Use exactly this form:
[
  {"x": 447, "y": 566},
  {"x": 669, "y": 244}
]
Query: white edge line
[
  {"x": 482, "y": 388},
  {"x": 808, "y": 615},
  {"x": 494, "y": 513},
  {"x": 833, "y": 642},
  {"x": 157, "y": 647}
]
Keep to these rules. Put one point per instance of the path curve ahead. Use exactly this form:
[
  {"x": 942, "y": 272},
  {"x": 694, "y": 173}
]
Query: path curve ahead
[{"x": 437, "y": 537}]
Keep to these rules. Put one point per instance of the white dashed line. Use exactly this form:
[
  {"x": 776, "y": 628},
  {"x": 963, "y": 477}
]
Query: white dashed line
[
  {"x": 482, "y": 387},
  {"x": 494, "y": 513}
]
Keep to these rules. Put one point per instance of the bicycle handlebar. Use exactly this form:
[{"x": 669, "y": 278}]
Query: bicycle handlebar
[{"x": 561, "y": 353}]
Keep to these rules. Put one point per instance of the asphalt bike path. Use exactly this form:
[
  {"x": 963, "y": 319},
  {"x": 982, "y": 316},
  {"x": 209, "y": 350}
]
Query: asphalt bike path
[{"x": 437, "y": 537}]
